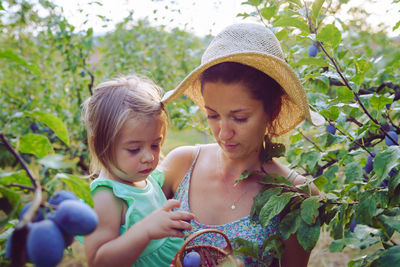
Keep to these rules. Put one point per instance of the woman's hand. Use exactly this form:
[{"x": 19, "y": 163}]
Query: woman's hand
[{"x": 165, "y": 222}]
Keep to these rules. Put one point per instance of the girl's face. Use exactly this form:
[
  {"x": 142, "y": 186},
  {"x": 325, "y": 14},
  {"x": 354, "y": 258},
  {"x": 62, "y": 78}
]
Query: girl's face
[
  {"x": 137, "y": 149},
  {"x": 237, "y": 120}
]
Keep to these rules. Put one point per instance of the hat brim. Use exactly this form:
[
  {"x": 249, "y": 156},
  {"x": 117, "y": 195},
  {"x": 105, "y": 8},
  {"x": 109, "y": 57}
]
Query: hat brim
[{"x": 294, "y": 105}]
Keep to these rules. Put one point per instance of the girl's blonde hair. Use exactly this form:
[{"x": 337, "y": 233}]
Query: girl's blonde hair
[{"x": 106, "y": 111}]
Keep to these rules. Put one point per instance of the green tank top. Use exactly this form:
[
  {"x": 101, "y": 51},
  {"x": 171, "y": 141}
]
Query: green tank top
[{"x": 141, "y": 202}]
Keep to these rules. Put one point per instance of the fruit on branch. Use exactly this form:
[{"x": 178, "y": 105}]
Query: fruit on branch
[
  {"x": 384, "y": 183},
  {"x": 330, "y": 129},
  {"x": 60, "y": 196},
  {"x": 353, "y": 225},
  {"x": 394, "y": 136},
  {"x": 312, "y": 50},
  {"x": 392, "y": 172},
  {"x": 39, "y": 214},
  {"x": 192, "y": 259},
  {"x": 370, "y": 163},
  {"x": 34, "y": 127},
  {"x": 45, "y": 244},
  {"x": 75, "y": 218}
]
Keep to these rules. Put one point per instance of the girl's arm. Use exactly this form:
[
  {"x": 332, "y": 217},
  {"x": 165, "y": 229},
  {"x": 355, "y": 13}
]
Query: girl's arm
[{"x": 106, "y": 247}]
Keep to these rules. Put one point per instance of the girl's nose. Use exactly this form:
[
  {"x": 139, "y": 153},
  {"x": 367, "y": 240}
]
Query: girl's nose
[{"x": 147, "y": 157}]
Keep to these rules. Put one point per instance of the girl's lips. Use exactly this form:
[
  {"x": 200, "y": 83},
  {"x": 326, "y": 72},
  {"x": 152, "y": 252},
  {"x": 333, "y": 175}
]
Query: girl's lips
[{"x": 145, "y": 171}]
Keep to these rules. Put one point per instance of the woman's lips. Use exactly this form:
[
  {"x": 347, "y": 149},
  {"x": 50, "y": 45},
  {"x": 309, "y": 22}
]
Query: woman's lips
[
  {"x": 145, "y": 171},
  {"x": 230, "y": 147}
]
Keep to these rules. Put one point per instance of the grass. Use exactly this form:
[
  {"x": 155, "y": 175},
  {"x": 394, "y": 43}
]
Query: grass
[{"x": 176, "y": 138}]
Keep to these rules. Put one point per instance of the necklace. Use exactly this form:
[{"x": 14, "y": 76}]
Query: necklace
[
  {"x": 237, "y": 200},
  {"x": 219, "y": 166}
]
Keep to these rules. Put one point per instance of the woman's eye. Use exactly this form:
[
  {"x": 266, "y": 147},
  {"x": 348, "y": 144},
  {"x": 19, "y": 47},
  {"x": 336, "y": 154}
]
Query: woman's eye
[
  {"x": 240, "y": 120},
  {"x": 212, "y": 117}
]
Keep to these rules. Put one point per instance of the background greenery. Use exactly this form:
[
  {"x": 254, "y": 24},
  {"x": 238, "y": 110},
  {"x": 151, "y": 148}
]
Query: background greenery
[{"x": 49, "y": 68}]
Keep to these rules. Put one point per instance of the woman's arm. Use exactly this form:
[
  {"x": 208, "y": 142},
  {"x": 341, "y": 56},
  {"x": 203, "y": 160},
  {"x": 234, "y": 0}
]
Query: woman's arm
[
  {"x": 175, "y": 166},
  {"x": 294, "y": 254}
]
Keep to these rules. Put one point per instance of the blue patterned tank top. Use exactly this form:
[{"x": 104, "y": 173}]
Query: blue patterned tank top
[{"x": 244, "y": 228}]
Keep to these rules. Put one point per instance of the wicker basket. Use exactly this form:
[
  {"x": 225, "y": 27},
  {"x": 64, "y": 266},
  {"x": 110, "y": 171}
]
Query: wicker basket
[{"x": 210, "y": 255}]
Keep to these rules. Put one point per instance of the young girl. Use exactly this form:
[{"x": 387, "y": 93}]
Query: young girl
[{"x": 126, "y": 125}]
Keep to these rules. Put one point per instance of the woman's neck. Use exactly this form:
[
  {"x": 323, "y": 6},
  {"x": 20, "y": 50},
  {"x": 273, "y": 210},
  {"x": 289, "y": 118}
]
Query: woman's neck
[{"x": 233, "y": 168}]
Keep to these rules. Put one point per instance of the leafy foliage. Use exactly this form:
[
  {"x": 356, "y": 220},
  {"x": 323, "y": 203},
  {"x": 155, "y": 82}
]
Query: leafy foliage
[
  {"x": 352, "y": 83},
  {"x": 49, "y": 68}
]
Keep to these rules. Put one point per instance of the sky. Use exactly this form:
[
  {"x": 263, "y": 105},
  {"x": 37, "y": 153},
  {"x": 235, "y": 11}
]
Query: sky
[{"x": 200, "y": 17}]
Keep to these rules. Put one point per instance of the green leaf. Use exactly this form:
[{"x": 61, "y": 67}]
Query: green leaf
[
  {"x": 12, "y": 197},
  {"x": 365, "y": 209},
  {"x": 330, "y": 35},
  {"x": 12, "y": 56},
  {"x": 390, "y": 257},
  {"x": 379, "y": 101},
  {"x": 252, "y": 2},
  {"x": 274, "y": 179},
  {"x": 36, "y": 144},
  {"x": 313, "y": 61},
  {"x": 78, "y": 186},
  {"x": 247, "y": 247},
  {"x": 53, "y": 122},
  {"x": 296, "y": 2},
  {"x": 1, "y": 6},
  {"x": 275, "y": 245},
  {"x": 353, "y": 172},
  {"x": 309, "y": 209},
  {"x": 57, "y": 161},
  {"x": 344, "y": 94},
  {"x": 274, "y": 206},
  {"x": 316, "y": 8},
  {"x": 332, "y": 113},
  {"x": 261, "y": 198},
  {"x": 19, "y": 177},
  {"x": 396, "y": 26},
  {"x": 309, "y": 159},
  {"x": 391, "y": 221},
  {"x": 385, "y": 161},
  {"x": 290, "y": 223},
  {"x": 308, "y": 235},
  {"x": 269, "y": 12},
  {"x": 292, "y": 22}
]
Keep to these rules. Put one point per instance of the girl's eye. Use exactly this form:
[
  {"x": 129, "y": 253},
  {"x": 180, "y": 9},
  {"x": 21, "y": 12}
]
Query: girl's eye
[
  {"x": 155, "y": 146},
  {"x": 133, "y": 150}
]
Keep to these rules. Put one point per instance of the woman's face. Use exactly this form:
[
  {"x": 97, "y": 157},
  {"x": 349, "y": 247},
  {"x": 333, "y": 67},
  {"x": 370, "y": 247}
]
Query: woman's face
[{"x": 237, "y": 120}]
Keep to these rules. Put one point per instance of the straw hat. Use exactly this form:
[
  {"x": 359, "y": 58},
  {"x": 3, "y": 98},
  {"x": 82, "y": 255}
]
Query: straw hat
[{"x": 256, "y": 46}]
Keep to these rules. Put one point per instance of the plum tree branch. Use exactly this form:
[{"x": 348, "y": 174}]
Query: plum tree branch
[
  {"x": 37, "y": 199},
  {"x": 337, "y": 67}
]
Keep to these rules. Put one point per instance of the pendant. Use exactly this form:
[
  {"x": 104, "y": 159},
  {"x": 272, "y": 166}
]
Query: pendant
[{"x": 233, "y": 206}]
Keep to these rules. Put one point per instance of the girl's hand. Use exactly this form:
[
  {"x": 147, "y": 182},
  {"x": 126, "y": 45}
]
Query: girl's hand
[{"x": 164, "y": 222}]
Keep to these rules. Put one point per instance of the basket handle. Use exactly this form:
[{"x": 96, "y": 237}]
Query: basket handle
[{"x": 192, "y": 236}]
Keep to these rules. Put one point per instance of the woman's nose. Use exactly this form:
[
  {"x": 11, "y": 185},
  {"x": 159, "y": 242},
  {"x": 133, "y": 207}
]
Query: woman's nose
[{"x": 225, "y": 132}]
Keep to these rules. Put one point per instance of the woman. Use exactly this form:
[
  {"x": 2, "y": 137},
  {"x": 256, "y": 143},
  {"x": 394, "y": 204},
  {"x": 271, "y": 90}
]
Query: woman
[{"x": 248, "y": 93}]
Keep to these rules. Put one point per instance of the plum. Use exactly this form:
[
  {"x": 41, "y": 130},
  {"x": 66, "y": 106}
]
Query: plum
[
  {"x": 75, "y": 218},
  {"x": 192, "y": 259},
  {"x": 392, "y": 134},
  {"x": 60, "y": 196},
  {"x": 45, "y": 244}
]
